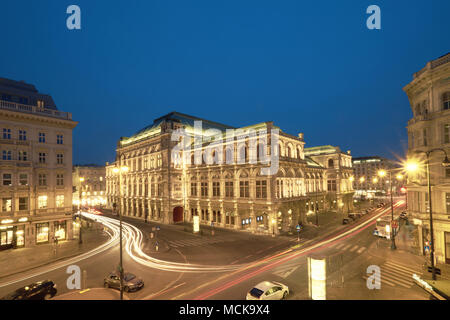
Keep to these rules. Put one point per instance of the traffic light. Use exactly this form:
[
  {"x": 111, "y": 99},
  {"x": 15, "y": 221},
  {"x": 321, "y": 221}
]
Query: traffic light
[{"x": 436, "y": 270}]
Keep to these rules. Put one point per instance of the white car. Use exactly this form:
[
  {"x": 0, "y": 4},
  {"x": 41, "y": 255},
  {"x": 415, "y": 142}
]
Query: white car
[{"x": 267, "y": 290}]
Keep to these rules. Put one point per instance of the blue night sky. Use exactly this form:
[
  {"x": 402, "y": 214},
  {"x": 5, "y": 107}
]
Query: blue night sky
[{"x": 310, "y": 67}]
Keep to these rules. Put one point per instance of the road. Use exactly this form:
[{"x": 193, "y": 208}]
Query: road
[{"x": 228, "y": 264}]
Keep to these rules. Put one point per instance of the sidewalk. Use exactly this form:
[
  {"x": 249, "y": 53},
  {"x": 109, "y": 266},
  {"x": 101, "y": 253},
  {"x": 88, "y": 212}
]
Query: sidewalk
[
  {"x": 92, "y": 294},
  {"x": 22, "y": 259},
  {"x": 407, "y": 252}
]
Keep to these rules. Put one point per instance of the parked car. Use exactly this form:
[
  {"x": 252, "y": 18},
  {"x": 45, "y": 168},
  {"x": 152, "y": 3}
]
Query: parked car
[
  {"x": 353, "y": 216},
  {"x": 404, "y": 215},
  {"x": 42, "y": 290},
  {"x": 130, "y": 281},
  {"x": 268, "y": 290},
  {"x": 345, "y": 221}
]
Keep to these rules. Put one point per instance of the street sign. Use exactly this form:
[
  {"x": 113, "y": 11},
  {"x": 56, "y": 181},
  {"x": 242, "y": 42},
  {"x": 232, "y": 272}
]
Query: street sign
[{"x": 436, "y": 270}]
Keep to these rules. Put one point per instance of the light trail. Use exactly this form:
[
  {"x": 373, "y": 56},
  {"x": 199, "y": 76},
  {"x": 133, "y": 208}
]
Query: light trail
[
  {"x": 133, "y": 244},
  {"x": 112, "y": 242},
  {"x": 315, "y": 247}
]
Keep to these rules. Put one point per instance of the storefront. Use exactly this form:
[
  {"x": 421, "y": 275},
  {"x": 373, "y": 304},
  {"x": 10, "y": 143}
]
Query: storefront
[
  {"x": 6, "y": 237},
  {"x": 20, "y": 236},
  {"x": 42, "y": 232},
  {"x": 60, "y": 230}
]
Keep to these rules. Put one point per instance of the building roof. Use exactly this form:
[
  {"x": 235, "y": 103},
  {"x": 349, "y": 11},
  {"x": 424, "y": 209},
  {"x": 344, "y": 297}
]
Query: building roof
[
  {"x": 25, "y": 90},
  {"x": 327, "y": 149},
  {"x": 310, "y": 162}
]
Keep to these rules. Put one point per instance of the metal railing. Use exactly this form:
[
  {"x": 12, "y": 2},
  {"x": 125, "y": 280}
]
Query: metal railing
[{"x": 12, "y": 106}]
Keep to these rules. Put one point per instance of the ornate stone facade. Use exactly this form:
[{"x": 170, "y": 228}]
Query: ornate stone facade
[
  {"x": 35, "y": 167},
  {"x": 429, "y": 98},
  {"x": 233, "y": 194}
]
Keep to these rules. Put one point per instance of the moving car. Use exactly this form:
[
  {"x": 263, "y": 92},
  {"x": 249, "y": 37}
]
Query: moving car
[
  {"x": 42, "y": 290},
  {"x": 130, "y": 282},
  {"x": 268, "y": 290},
  {"x": 345, "y": 221}
]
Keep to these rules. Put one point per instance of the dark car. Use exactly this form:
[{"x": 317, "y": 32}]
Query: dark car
[
  {"x": 42, "y": 290},
  {"x": 130, "y": 281},
  {"x": 404, "y": 215},
  {"x": 353, "y": 216},
  {"x": 345, "y": 221}
]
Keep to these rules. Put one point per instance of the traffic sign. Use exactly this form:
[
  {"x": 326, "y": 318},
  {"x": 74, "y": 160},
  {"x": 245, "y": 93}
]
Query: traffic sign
[{"x": 298, "y": 227}]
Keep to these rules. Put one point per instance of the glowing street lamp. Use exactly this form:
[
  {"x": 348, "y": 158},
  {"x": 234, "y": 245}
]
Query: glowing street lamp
[
  {"x": 81, "y": 179},
  {"x": 413, "y": 166}
]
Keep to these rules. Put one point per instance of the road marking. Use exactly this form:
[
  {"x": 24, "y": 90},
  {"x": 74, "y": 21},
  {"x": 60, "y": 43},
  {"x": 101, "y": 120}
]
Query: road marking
[
  {"x": 346, "y": 247},
  {"x": 401, "y": 267},
  {"x": 340, "y": 245},
  {"x": 234, "y": 261},
  {"x": 390, "y": 277},
  {"x": 153, "y": 295},
  {"x": 382, "y": 281},
  {"x": 333, "y": 245},
  {"x": 284, "y": 273},
  {"x": 361, "y": 250},
  {"x": 354, "y": 248}
]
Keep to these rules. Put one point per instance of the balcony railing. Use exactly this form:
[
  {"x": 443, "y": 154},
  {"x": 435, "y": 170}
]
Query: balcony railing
[{"x": 12, "y": 106}]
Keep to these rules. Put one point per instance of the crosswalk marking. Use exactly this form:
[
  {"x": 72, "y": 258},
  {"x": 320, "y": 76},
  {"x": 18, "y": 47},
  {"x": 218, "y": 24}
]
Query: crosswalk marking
[
  {"x": 339, "y": 246},
  {"x": 396, "y": 274},
  {"x": 399, "y": 266},
  {"x": 346, "y": 247},
  {"x": 354, "y": 248},
  {"x": 361, "y": 249},
  {"x": 198, "y": 242}
]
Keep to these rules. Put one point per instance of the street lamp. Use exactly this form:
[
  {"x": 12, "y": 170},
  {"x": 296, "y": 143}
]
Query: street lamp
[
  {"x": 413, "y": 166},
  {"x": 383, "y": 173},
  {"x": 119, "y": 171},
  {"x": 79, "y": 210}
]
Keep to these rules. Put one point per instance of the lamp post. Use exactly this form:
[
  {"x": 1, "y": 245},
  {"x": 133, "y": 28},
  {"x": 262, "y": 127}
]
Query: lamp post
[
  {"x": 382, "y": 173},
  {"x": 80, "y": 241},
  {"x": 119, "y": 172},
  {"x": 413, "y": 167}
]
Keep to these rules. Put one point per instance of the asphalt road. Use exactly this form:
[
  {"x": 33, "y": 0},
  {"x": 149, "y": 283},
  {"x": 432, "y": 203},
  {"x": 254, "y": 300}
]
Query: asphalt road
[{"x": 254, "y": 258}]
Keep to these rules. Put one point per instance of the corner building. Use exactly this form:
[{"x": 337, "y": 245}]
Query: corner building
[
  {"x": 35, "y": 167},
  {"x": 429, "y": 98},
  {"x": 233, "y": 194}
]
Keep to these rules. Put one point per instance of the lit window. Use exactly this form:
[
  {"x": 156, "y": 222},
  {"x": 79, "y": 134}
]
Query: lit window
[
  {"x": 42, "y": 202},
  {"x": 60, "y": 201}
]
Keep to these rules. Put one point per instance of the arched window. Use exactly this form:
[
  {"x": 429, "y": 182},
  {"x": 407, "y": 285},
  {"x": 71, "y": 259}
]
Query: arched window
[
  {"x": 242, "y": 154},
  {"x": 446, "y": 101},
  {"x": 330, "y": 163}
]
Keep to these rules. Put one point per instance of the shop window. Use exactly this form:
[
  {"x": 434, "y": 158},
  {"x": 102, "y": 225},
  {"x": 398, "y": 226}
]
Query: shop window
[
  {"x": 60, "y": 230},
  {"x": 6, "y": 236},
  {"x": 42, "y": 231},
  {"x": 20, "y": 237}
]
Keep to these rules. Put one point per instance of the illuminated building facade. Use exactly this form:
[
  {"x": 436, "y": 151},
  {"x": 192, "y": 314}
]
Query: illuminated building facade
[
  {"x": 367, "y": 181},
  {"x": 234, "y": 193},
  {"x": 429, "y": 98},
  {"x": 90, "y": 180},
  {"x": 35, "y": 167},
  {"x": 338, "y": 176}
]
